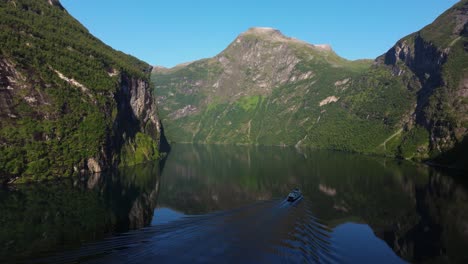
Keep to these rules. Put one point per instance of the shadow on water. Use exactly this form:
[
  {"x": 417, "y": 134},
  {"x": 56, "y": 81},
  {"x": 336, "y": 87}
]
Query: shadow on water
[{"x": 226, "y": 204}]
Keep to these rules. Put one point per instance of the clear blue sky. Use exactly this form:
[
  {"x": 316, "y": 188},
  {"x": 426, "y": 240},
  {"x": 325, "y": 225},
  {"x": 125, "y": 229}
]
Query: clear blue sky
[{"x": 169, "y": 32}]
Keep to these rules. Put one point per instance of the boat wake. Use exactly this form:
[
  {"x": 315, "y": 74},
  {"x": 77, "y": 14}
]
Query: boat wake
[{"x": 264, "y": 232}]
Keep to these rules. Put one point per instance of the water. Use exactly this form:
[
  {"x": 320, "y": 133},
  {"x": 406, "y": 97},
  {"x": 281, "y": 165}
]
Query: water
[{"x": 226, "y": 204}]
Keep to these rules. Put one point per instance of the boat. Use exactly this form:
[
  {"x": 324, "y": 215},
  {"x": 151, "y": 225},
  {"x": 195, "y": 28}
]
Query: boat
[{"x": 294, "y": 195}]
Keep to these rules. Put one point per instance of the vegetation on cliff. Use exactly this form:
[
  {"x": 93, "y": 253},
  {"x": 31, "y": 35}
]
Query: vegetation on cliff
[{"x": 59, "y": 87}]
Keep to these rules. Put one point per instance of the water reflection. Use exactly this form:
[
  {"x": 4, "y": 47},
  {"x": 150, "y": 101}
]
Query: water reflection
[
  {"x": 420, "y": 212},
  {"x": 263, "y": 232},
  {"x": 55, "y": 216},
  {"x": 226, "y": 204}
]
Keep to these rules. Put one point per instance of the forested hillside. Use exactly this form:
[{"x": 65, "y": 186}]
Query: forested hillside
[{"x": 68, "y": 102}]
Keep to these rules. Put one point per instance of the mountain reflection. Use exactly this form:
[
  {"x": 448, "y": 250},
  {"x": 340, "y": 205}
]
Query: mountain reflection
[
  {"x": 227, "y": 204},
  {"x": 55, "y": 216},
  {"x": 420, "y": 212}
]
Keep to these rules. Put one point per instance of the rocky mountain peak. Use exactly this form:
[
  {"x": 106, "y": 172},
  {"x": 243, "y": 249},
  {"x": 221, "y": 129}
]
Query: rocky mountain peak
[
  {"x": 275, "y": 36},
  {"x": 264, "y": 31},
  {"x": 269, "y": 34}
]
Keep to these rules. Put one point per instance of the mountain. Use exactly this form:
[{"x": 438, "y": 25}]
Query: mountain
[
  {"x": 254, "y": 91},
  {"x": 269, "y": 89},
  {"x": 68, "y": 102},
  {"x": 433, "y": 63}
]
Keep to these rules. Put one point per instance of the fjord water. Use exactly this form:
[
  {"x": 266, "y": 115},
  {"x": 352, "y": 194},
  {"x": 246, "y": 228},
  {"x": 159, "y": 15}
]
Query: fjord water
[{"x": 226, "y": 204}]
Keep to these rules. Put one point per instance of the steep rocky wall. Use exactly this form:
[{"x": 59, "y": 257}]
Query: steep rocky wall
[
  {"x": 435, "y": 57},
  {"x": 136, "y": 115},
  {"x": 131, "y": 108},
  {"x": 142, "y": 103},
  {"x": 425, "y": 61},
  {"x": 415, "y": 56}
]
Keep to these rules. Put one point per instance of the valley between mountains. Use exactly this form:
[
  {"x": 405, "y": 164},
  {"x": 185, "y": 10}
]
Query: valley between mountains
[{"x": 269, "y": 89}]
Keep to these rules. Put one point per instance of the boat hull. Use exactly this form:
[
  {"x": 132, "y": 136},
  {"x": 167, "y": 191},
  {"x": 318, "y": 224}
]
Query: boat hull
[{"x": 292, "y": 199}]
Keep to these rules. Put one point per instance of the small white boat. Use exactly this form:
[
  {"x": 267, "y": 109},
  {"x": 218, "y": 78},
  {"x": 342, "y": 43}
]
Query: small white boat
[{"x": 294, "y": 195}]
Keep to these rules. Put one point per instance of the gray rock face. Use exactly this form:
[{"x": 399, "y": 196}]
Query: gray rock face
[
  {"x": 431, "y": 61},
  {"x": 136, "y": 112},
  {"x": 425, "y": 62},
  {"x": 137, "y": 93},
  {"x": 13, "y": 82},
  {"x": 261, "y": 59},
  {"x": 422, "y": 57},
  {"x": 94, "y": 166},
  {"x": 256, "y": 61}
]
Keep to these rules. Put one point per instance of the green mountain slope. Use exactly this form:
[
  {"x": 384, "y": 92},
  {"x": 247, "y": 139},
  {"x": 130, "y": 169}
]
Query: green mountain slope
[
  {"x": 269, "y": 89},
  {"x": 265, "y": 88},
  {"x": 68, "y": 102},
  {"x": 432, "y": 67}
]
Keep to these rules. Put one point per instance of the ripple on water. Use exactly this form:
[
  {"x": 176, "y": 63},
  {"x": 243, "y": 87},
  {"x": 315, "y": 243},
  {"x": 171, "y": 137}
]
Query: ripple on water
[{"x": 269, "y": 232}]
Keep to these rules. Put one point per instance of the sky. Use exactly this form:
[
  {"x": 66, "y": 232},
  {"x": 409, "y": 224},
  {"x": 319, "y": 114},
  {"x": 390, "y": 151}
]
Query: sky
[{"x": 170, "y": 32}]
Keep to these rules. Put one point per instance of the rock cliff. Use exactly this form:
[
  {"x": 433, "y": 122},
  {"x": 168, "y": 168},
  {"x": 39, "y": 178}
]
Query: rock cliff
[
  {"x": 69, "y": 103},
  {"x": 435, "y": 59}
]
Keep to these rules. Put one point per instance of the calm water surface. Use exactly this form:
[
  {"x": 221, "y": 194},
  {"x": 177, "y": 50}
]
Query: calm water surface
[{"x": 226, "y": 204}]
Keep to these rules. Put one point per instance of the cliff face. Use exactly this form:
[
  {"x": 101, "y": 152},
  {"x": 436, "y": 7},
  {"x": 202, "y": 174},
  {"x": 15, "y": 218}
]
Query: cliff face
[
  {"x": 436, "y": 58},
  {"x": 136, "y": 119},
  {"x": 69, "y": 104},
  {"x": 424, "y": 61},
  {"x": 142, "y": 103},
  {"x": 136, "y": 115}
]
